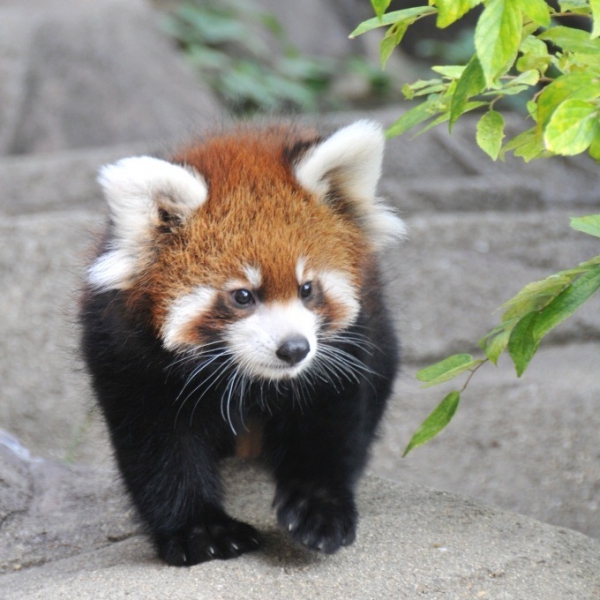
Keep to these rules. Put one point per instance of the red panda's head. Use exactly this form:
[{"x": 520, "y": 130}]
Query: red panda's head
[{"x": 258, "y": 241}]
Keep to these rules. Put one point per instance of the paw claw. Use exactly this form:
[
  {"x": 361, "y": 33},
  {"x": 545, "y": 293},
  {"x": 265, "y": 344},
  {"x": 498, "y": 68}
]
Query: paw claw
[
  {"x": 218, "y": 539},
  {"x": 317, "y": 518}
]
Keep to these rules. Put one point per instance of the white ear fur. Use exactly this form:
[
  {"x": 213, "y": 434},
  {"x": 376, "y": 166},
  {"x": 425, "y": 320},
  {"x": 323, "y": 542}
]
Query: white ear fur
[
  {"x": 137, "y": 189},
  {"x": 350, "y": 160}
]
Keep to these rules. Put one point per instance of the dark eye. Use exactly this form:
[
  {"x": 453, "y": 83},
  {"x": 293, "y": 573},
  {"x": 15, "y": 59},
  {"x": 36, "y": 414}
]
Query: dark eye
[
  {"x": 306, "y": 290},
  {"x": 243, "y": 297}
]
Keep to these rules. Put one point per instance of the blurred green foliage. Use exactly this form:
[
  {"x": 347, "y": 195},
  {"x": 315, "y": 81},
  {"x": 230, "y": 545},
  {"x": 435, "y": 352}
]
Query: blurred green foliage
[{"x": 247, "y": 58}]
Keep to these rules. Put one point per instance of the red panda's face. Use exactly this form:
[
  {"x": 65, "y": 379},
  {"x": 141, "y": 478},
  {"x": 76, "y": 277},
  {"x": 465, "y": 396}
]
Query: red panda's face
[
  {"x": 270, "y": 337},
  {"x": 243, "y": 246}
]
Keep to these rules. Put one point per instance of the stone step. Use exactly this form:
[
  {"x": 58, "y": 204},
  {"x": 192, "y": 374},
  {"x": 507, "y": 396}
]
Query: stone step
[
  {"x": 529, "y": 445},
  {"x": 44, "y": 394},
  {"x": 59, "y": 181},
  {"x": 456, "y": 269},
  {"x": 411, "y": 541}
]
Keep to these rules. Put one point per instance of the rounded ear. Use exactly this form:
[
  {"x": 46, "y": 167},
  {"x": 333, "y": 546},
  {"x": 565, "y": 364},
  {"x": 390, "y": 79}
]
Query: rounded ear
[
  {"x": 349, "y": 159},
  {"x": 143, "y": 191},
  {"x": 346, "y": 168},
  {"x": 143, "y": 194}
]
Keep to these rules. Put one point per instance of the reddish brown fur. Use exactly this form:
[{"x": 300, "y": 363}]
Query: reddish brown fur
[{"x": 256, "y": 214}]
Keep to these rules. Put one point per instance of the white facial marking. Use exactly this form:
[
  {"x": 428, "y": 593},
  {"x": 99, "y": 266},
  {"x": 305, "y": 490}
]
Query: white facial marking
[
  {"x": 182, "y": 312},
  {"x": 255, "y": 340},
  {"x": 302, "y": 273},
  {"x": 338, "y": 288},
  {"x": 300, "y": 266},
  {"x": 254, "y": 276}
]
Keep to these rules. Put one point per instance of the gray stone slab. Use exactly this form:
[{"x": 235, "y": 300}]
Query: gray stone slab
[
  {"x": 529, "y": 445},
  {"x": 60, "y": 180},
  {"x": 460, "y": 193},
  {"x": 420, "y": 176},
  {"x": 79, "y": 74},
  {"x": 51, "y": 510},
  {"x": 44, "y": 397},
  {"x": 456, "y": 269},
  {"x": 411, "y": 541}
]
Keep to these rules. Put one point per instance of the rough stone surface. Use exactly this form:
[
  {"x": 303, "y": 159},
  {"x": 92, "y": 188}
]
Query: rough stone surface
[
  {"x": 458, "y": 268},
  {"x": 411, "y": 541},
  {"x": 59, "y": 180},
  {"x": 529, "y": 445},
  {"x": 78, "y": 74},
  {"x": 56, "y": 510},
  {"x": 44, "y": 398}
]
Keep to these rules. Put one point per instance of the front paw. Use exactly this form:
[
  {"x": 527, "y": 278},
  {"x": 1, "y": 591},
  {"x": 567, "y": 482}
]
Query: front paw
[
  {"x": 318, "y": 518},
  {"x": 221, "y": 538}
]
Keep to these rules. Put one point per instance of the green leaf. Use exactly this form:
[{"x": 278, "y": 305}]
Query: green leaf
[
  {"x": 567, "y": 302},
  {"x": 579, "y": 86},
  {"x": 380, "y": 6},
  {"x": 411, "y": 118},
  {"x": 471, "y": 83},
  {"x": 589, "y": 224},
  {"x": 535, "y": 55},
  {"x": 577, "y": 6},
  {"x": 585, "y": 266},
  {"x": 523, "y": 343},
  {"x": 595, "y": 6},
  {"x": 527, "y": 145},
  {"x": 577, "y": 62},
  {"x": 572, "y": 127},
  {"x": 447, "y": 369},
  {"x": 528, "y": 332},
  {"x": 572, "y": 40},
  {"x": 535, "y": 294},
  {"x": 435, "y": 422},
  {"x": 406, "y": 14},
  {"x": 450, "y": 72},
  {"x": 451, "y": 10},
  {"x": 490, "y": 131},
  {"x": 392, "y": 38},
  {"x": 422, "y": 83},
  {"x": 537, "y": 10},
  {"x": 497, "y": 37},
  {"x": 530, "y": 77},
  {"x": 495, "y": 345},
  {"x": 595, "y": 147}
]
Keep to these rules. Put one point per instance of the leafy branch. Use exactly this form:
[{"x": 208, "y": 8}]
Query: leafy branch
[{"x": 519, "y": 48}]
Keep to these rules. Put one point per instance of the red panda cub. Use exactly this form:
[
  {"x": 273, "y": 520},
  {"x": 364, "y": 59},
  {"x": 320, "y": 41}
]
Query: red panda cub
[{"x": 236, "y": 291}]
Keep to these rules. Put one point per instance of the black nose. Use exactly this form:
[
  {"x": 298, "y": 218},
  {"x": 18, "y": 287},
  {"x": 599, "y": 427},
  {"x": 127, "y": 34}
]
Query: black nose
[{"x": 293, "y": 350}]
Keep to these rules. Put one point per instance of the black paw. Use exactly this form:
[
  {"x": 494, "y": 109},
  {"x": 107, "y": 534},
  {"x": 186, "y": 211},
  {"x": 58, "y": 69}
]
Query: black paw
[
  {"x": 316, "y": 517},
  {"x": 220, "y": 539}
]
